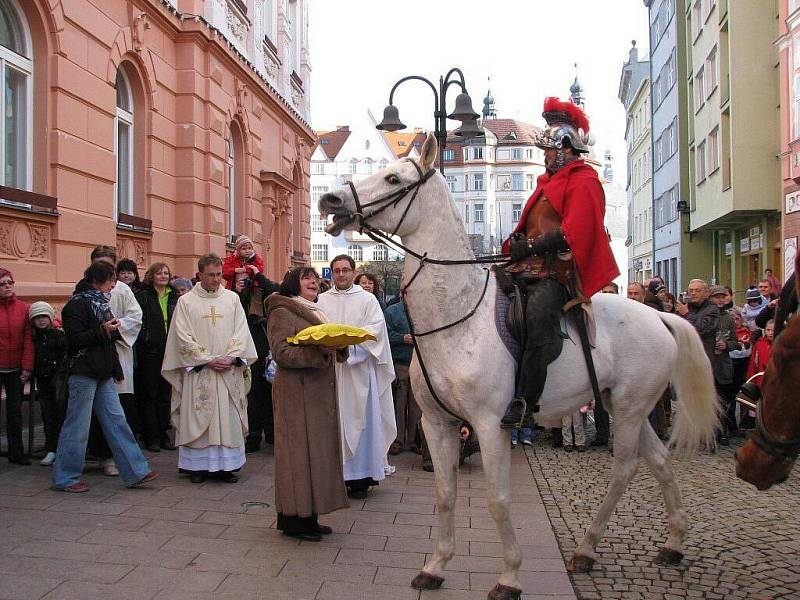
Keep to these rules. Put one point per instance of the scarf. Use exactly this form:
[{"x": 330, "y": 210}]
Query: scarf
[
  {"x": 99, "y": 303},
  {"x": 312, "y": 306}
]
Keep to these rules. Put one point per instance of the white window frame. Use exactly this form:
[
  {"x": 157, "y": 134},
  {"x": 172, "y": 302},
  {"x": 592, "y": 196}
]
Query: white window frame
[
  {"x": 516, "y": 182},
  {"x": 319, "y": 252},
  {"x": 451, "y": 182},
  {"x": 671, "y": 143},
  {"x": 448, "y": 154},
  {"x": 319, "y": 168},
  {"x": 382, "y": 164},
  {"x": 230, "y": 164},
  {"x": 700, "y": 157},
  {"x": 478, "y": 182},
  {"x": 123, "y": 118},
  {"x": 713, "y": 161},
  {"x": 368, "y": 164},
  {"x": 477, "y": 153},
  {"x": 356, "y": 251},
  {"x": 516, "y": 154},
  {"x": 478, "y": 212},
  {"x": 796, "y": 105},
  {"x": 23, "y": 65},
  {"x": 699, "y": 89},
  {"x": 353, "y": 166},
  {"x": 711, "y": 70},
  {"x": 516, "y": 212},
  {"x": 380, "y": 252}
]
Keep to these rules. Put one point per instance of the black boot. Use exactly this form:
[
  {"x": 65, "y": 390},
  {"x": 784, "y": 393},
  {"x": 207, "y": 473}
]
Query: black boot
[
  {"x": 299, "y": 528},
  {"x": 515, "y": 413}
]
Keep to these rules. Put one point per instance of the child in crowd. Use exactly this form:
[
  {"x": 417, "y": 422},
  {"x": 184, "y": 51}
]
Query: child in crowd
[
  {"x": 50, "y": 346},
  {"x": 759, "y": 358},
  {"x": 243, "y": 260}
]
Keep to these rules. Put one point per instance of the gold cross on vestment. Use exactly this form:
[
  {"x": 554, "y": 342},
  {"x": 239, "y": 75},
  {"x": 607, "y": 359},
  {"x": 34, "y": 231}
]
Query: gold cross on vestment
[{"x": 213, "y": 316}]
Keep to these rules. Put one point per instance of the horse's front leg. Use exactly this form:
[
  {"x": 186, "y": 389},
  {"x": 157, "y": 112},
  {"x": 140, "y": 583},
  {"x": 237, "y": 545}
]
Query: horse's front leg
[
  {"x": 442, "y": 439},
  {"x": 496, "y": 457}
]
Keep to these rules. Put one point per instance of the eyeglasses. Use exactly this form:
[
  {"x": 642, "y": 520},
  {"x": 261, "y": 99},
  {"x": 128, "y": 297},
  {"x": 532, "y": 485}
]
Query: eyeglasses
[{"x": 342, "y": 271}]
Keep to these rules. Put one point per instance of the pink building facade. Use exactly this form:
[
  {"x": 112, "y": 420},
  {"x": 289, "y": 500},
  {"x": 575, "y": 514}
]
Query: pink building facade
[
  {"x": 161, "y": 127},
  {"x": 789, "y": 54}
]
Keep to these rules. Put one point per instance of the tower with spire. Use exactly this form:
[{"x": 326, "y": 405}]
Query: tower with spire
[
  {"x": 576, "y": 91},
  {"x": 489, "y": 111}
]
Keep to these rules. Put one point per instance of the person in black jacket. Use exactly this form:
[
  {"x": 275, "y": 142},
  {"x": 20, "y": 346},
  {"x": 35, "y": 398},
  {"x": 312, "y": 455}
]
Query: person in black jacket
[
  {"x": 253, "y": 293},
  {"x": 94, "y": 369},
  {"x": 50, "y": 346},
  {"x": 153, "y": 393}
]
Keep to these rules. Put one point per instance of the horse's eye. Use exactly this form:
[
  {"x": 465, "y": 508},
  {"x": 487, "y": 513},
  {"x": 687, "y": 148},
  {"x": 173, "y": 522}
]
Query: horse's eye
[{"x": 393, "y": 179}]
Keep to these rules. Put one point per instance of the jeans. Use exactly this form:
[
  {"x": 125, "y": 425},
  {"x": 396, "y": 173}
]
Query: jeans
[
  {"x": 13, "y": 386},
  {"x": 524, "y": 434},
  {"x": 86, "y": 394}
]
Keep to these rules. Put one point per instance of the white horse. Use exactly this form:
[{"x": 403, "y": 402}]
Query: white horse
[{"x": 638, "y": 353}]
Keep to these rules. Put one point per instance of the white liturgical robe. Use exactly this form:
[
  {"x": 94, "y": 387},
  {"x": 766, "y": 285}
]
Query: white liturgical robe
[
  {"x": 125, "y": 308},
  {"x": 209, "y": 408},
  {"x": 364, "y": 384}
]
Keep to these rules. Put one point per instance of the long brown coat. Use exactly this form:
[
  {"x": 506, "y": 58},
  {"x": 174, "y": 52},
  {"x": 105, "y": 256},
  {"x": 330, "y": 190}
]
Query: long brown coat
[{"x": 308, "y": 448}]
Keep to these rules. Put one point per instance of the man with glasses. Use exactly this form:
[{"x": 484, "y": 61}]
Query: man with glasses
[
  {"x": 363, "y": 383},
  {"x": 16, "y": 361},
  {"x": 701, "y": 313}
]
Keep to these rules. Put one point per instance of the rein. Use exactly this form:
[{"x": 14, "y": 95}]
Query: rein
[
  {"x": 785, "y": 451},
  {"x": 390, "y": 200}
]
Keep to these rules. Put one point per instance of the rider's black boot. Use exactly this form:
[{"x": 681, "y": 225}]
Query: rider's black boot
[{"x": 515, "y": 413}]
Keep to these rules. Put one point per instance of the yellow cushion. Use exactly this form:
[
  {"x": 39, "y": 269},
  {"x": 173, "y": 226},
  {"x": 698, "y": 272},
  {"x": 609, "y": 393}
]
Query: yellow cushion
[{"x": 331, "y": 334}]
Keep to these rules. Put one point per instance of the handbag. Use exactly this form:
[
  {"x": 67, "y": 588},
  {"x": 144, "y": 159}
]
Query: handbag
[
  {"x": 61, "y": 377},
  {"x": 269, "y": 368}
]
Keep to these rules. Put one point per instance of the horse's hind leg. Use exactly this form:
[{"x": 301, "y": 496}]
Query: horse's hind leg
[
  {"x": 657, "y": 457},
  {"x": 626, "y": 442},
  {"x": 495, "y": 454},
  {"x": 443, "y": 443}
]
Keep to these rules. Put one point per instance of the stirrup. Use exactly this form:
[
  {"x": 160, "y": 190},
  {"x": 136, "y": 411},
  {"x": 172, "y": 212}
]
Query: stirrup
[{"x": 512, "y": 420}]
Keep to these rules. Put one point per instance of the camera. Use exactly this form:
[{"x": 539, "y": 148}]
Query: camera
[{"x": 247, "y": 282}]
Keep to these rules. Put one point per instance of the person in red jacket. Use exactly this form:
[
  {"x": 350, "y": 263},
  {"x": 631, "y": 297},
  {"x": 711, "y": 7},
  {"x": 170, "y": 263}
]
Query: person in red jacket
[
  {"x": 244, "y": 259},
  {"x": 560, "y": 246},
  {"x": 16, "y": 361}
]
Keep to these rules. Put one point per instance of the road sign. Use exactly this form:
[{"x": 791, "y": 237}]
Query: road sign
[{"x": 326, "y": 272}]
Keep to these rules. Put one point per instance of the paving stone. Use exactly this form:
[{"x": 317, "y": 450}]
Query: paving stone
[
  {"x": 337, "y": 590},
  {"x": 25, "y": 587}
]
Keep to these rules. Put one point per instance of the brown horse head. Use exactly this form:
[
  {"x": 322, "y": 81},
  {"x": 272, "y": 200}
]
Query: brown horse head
[{"x": 760, "y": 463}]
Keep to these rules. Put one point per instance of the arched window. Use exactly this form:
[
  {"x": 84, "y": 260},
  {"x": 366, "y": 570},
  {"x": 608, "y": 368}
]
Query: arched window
[
  {"x": 353, "y": 166},
  {"x": 380, "y": 252},
  {"x": 123, "y": 146},
  {"x": 234, "y": 178},
  {"x": 356, "y": 251},
  {"x": 368, "y": 162},
  {"x": 383, "y": 164},
  {"x": 16, "y": 70}
]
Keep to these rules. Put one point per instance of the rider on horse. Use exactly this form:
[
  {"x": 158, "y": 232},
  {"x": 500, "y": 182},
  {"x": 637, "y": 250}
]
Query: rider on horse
[{"x": 560, "y": 248}]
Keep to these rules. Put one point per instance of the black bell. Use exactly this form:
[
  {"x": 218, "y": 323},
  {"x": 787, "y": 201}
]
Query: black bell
[
  {"x": 469, "y": 129},
  {"x": 391, "y": 119},
  {"x": 463, "y": 111}
]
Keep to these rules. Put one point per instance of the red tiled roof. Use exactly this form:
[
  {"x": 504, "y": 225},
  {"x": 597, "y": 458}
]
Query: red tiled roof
[
  {"x": 401, "y": 142},
  {"x": 511, "y": 132},
  {"x": 332, "y": 141}
]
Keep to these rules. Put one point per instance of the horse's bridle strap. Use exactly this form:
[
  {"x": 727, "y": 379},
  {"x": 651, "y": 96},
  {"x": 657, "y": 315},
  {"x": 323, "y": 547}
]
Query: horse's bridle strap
[{"x": 762, "y": 438}]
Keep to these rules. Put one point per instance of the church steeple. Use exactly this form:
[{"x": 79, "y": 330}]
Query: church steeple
[
  {"x": 489, "y": 111},
  {"x": 576, "y": 91}
]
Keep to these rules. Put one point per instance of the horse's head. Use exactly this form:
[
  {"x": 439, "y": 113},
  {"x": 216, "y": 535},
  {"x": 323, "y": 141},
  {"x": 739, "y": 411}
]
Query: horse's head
[
  {"x": 760, "y": 468},
  {"x": 387, "y": 200}
]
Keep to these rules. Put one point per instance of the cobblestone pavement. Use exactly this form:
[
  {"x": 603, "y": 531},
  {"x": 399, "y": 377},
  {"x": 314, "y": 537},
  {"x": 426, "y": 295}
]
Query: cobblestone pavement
[
  {"x": 173, "y": 540},
  {"x": 741, "y": 543}
]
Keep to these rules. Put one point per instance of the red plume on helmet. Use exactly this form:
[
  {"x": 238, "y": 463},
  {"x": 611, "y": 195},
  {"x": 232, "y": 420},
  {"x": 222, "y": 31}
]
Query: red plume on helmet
[{"x": 556, "y": 111}]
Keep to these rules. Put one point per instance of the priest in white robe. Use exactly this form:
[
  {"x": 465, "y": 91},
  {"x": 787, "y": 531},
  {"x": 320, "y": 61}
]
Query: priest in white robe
[
  {"x": 364, "y": 382},
  {"x": 208, "y": 352}
]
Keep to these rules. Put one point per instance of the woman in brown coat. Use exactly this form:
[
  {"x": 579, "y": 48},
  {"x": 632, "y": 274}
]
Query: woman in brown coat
[{"x": 308, "y": 450}]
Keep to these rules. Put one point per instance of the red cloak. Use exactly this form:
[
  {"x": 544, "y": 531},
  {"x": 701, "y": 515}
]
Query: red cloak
[{"x": 575, "y": 193}]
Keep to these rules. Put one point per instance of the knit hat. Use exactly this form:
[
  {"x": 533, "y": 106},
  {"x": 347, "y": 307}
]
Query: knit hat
[
  {"x": 39, "y": 309},
  {"x": 242, "y": 240},
  {"x": 752, "y": 294},
  {"x": 718, "y": 289},
  {"x": 181, "y": 281},
  {"x": 655, "y": 286}
]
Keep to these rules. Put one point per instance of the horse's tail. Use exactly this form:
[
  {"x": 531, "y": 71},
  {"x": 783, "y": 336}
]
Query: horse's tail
[{"x": 698, "y": 410}]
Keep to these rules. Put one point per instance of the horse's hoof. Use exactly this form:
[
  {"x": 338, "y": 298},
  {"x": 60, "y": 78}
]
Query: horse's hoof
[
  {"x": 580, "y": 564},
  {"x": 504, "y": 592},
  {"x": 669, "y": 557},
  {"x": 426, "y": 581}
]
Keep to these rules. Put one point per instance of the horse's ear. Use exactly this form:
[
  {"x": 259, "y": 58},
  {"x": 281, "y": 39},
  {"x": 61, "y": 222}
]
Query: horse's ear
[{"x": 428, "y": 153}]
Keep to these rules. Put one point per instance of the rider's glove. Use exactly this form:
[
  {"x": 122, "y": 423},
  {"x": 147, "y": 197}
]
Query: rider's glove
[
  {"x": 519, "y": 250},
  {"x": 551, "y": 242}
]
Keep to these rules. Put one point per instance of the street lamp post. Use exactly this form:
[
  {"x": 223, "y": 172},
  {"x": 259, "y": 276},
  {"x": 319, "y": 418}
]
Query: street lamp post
[{"x": 463, "y": 111}]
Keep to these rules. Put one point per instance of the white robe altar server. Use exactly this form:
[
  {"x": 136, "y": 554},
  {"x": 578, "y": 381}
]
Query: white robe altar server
[
  {"x": 364, "y": 382},
  {"x": 206, "y": 361}
]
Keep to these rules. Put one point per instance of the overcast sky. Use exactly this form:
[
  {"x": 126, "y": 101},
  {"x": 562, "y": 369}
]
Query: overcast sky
[{"x": 359, "y": 48}]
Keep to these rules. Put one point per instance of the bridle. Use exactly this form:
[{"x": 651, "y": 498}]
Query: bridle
[
  {"x": 784, "y": 451},
  {"x": 392, "y": 199}
]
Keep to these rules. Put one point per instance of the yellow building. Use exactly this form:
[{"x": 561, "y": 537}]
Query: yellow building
[{"x": 734, "y": 177}]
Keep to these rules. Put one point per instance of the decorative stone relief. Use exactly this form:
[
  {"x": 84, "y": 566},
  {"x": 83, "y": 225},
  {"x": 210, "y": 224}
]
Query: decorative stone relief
[
  {"x": 31, "y": 241},
  {"x": 140, "y": 25},
  {"x": 241, "y": 98},
  {"x": 236, "y": 26}
]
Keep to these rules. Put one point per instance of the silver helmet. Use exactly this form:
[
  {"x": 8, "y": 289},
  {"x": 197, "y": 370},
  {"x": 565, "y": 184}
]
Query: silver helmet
[{"x": 565, "y": 120}]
